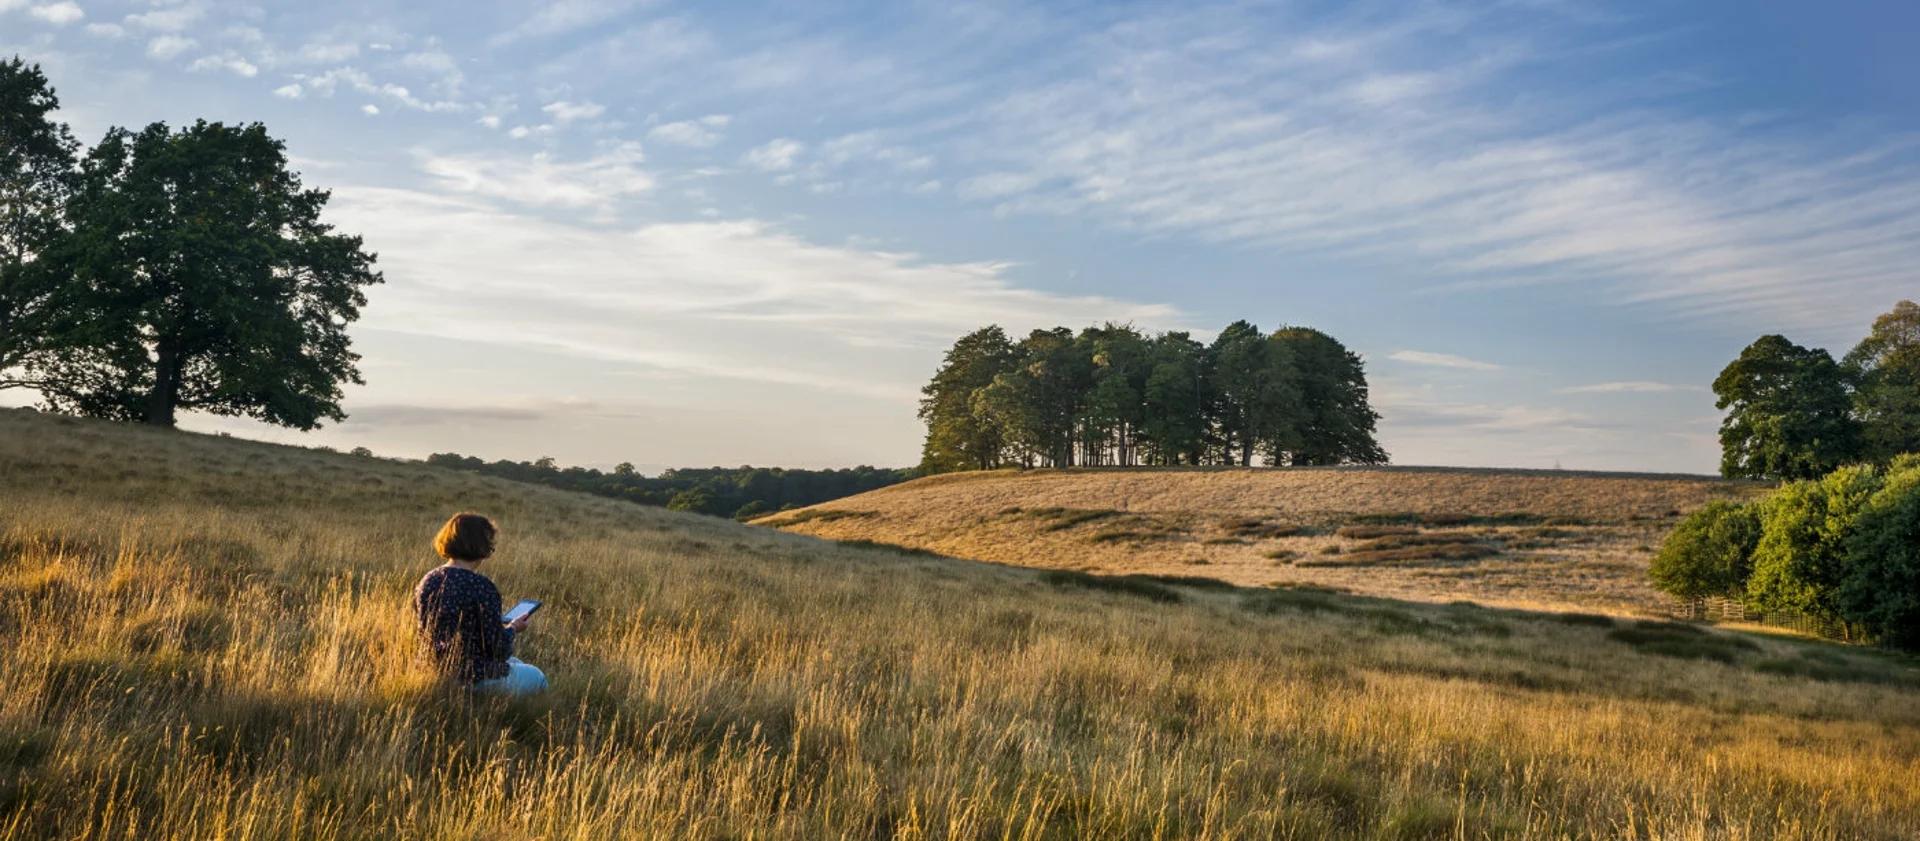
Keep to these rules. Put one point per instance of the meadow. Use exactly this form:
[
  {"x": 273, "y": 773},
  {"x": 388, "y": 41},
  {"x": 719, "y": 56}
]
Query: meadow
[
  {"x": 1533, "y": 539},
  {"x": 209, "y": 639}
]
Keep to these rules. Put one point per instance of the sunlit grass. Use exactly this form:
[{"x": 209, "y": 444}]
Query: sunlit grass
[{"x": 208, "y": 639}]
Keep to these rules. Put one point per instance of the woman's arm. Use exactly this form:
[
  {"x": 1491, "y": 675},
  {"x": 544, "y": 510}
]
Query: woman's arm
[{"x": 496, "y": 639}]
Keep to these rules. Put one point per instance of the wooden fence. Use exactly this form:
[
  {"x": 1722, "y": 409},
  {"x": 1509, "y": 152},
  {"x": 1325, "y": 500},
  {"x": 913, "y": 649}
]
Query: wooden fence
[{"x": 1722, "y": 609}]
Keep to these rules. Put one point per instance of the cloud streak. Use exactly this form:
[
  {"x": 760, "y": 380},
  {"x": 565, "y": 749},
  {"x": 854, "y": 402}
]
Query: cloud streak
[{"x": 1441, "y": 360}]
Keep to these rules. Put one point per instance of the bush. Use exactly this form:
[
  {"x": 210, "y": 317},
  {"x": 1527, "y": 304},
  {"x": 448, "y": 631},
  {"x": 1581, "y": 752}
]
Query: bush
[
  {"x": 1710, "y": 553},
  {"x": 1881, "y": 588},
  {"x": 1802, "y": 555}
]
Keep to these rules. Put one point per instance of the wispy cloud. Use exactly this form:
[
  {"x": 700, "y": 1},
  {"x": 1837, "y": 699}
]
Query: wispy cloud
[
  {"x": 567, "y": 112},
  {"x": 168, "y": 46},
  {"x": 1629, "y": 387},
  {"x": 58, "y": 14},
  {"x": 775, "y": 155},
  {"x": 698, "y": 134},
  {"x": 1401, "y": 144},
  {"x": 1441, "y": 360},
  {"x": 562, "y": 16},
  {"x": 542, "y": 180},
  {"x": 726, "y": 299}
]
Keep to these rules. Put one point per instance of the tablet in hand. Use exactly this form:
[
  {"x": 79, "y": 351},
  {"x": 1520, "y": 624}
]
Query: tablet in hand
[{"x": 526, "y": 607}]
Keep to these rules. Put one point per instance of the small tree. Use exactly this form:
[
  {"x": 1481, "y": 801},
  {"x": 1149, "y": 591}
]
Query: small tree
[
  {"x": 1881, "y": 588},
  {"x": 1803, "y": 554},
  {"x": 1710, "y": 553},
  {"x": 204, "y": 279}
]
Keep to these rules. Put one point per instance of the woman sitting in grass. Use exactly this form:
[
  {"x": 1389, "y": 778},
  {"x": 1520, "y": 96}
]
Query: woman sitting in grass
[{"x": 459, "y": 614}]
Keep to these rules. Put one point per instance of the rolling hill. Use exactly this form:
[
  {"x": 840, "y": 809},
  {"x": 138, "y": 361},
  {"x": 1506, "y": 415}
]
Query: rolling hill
[
  {"x": 209, "y": 638},
  {"x": 1517, "y": 538}
]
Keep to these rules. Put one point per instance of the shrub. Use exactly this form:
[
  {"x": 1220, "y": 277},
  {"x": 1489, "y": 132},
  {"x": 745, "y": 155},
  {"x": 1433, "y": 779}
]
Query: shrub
[
  {"x": 1710, "y": 553},
  {"x": 1881, "y": 588},
  {"x": 1802, "y": 554}
]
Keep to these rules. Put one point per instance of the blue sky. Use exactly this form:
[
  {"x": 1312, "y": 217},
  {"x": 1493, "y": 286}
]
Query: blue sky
[{"x": 725, "y": 233}]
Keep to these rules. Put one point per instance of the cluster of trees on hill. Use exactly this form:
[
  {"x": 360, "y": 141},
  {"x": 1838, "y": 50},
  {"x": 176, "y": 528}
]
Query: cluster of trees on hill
[
  {"x": 168, "y": 269},
  {"x": 1844, "y": 547},
  {"x": 1111, "y": 395},
  {"x": 1795, "y": 413},
  {"x": 738, "y": 492}
]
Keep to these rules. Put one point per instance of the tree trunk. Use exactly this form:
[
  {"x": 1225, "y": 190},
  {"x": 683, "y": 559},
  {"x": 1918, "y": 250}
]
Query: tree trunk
[{"x": 166, "y": 388}]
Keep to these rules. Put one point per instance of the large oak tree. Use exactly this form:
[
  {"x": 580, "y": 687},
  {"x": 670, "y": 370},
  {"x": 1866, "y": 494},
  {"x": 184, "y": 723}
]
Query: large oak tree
[{"x": 207, "y": 282}]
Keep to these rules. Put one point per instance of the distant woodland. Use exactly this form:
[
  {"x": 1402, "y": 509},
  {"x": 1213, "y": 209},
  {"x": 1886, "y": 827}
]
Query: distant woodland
[
  {"x": 739, "y": 492},
  {"x": 1112, "y": 395}
]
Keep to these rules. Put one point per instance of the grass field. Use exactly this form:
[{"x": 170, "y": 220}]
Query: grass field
[
  {"x": 1515, "y": 538},
  {"x": 208, "y": 639}
]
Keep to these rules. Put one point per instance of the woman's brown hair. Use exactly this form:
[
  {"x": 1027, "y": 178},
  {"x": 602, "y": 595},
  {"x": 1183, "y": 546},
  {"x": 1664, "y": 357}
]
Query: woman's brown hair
[{"x": 466, "y": 537}]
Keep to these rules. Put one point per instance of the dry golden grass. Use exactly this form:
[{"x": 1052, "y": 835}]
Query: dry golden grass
[
  {"x": 208, "y": 639},
  {"x": 1549, "y": 539}
]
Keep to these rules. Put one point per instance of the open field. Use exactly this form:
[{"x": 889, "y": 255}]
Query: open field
[
  {"x": 208, "y": 639},
  {"x": 1534, "y": 539}
]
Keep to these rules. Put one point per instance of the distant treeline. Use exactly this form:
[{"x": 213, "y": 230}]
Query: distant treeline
[
  {"x": 739, "y": 492},
  {"x": 1112, "y": 395}
]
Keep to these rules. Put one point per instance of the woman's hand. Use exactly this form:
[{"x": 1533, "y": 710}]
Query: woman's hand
[{"x": 520, "y": 624}]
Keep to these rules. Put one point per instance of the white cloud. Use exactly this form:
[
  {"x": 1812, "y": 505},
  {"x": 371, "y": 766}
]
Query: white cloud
[
  {"x": 328, "y": 52},
  {"x": 370, "y": 110},
  {"x": 1441, "y": 360},
  {"x": 325, "y": 84},
  {"x": 292, "y": 91},
  {"x": 566, "y": 112},
  {"x": 490, "y": 121},
  {"x": 724, "y": 302},
  {"x": 996, "y": 185},
  {"x": 58, "y": 14},
  {"x": 1629, "y": 387},
  {"x": 697, "y": 134},
  {"x": 775, "y": 155},
  {"x": 106, "y": 30},
  {"x": 225, "y": 61},
  {"x": 1396, "y": 144},
  {"x": 168, "y": 46},
  {"x": 168, "y": 19},
  {"x": 544, "y": 181},
  {"x": 557, "y": 17}
]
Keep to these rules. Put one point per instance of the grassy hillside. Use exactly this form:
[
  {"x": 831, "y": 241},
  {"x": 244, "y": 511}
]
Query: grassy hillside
[
  {"x": 206, "y": 638},
  {"x": 1502, "y": 537}
]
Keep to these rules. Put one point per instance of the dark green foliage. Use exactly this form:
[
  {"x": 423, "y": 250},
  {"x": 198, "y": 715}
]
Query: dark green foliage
[
  {"x": 1336, "y": 421},
  {"x": 202, "y": 278},
  {"x": 957, "y": 437},
  {"x": 1674, "y": 639},
  {"x": 1112, "y": 396},
  {"x": 719, "y": 491},
  {"x": 1880, "y": 588},
  {"x": 1789, "y": 415},
  {"x": 1802, "y": 555},
  {"x": 1710, "y": 553},
  {"x": 36, "y": 175},
  {"x": 1885, "y": 367},
  {"x": 1130, "y": 585}
]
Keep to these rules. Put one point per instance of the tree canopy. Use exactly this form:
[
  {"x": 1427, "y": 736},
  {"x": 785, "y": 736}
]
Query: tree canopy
[
  {"x": 169, "y": 270},
  {"x": 1885, "y": 368},
  {"x": 1789, "y": 415},
  {"x": 1111, "y": 395},
  {"x": 207, "y": 282},
  {"x": 36, "y": 176}
]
